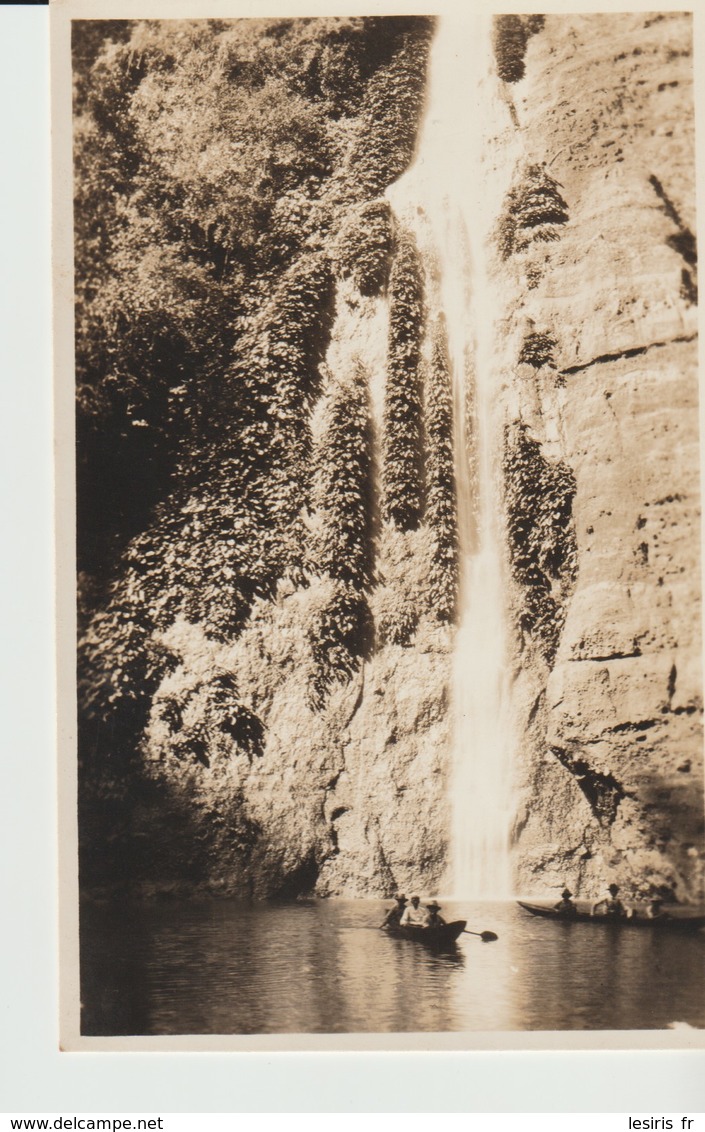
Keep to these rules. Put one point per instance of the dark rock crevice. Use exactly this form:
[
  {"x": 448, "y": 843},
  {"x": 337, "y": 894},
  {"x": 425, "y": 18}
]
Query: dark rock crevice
[
  {"x": 682, "y": 242},
  {"x": 633, "y": 352},
  {"x": 337, "y": 813},
  {"x": 535, "y": 708},
  {"x": 300, "y": 881},
  {"x": 640, "y": 725},
  {"x": 358, "y": 698},
  {"x": 602, "y": 791},
  {"x": 607, "y": 657},
  {"x": 383, "y": 868},
  {"x": 672, "y": 678}
]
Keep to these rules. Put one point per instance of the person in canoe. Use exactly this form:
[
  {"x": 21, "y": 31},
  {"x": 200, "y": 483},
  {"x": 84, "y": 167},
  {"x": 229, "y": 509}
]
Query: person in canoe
[
  {"x": 655, "y": 910},
  {"x": 565, "y": 906},
  {"x": 394, "y": 915},
  {"x": 415, "y": 915},
  {"x": 610, "y": 906},
  {"x": 434, "y": 920}
]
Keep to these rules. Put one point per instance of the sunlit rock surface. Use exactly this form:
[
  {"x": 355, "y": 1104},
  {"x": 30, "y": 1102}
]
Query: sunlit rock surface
[{"x": 612, "y": 777}]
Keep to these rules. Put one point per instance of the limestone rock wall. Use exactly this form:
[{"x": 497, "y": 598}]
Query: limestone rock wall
[{"x": 611, "y": 773}]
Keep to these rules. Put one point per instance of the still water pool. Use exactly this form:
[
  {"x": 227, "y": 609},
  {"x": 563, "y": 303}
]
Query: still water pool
[{"x": 223, "y": 967}]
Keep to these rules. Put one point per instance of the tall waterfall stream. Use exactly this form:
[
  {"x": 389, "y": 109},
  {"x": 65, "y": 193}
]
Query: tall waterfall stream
[{"x": 450, "y": 198}]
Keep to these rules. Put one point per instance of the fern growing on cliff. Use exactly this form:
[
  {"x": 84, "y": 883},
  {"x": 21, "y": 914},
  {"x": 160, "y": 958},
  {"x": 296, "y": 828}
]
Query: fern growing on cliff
[
  {"x": 340, "y": 637},
  {"x": 344, "y": 490},
  {"x": 441, "y": 499},
  {"x": 541, "y": 533},
  {"x": 386, "y": 136},
  {"x": 402, "y": 404},
  {"x": 285, "y": 359},
  {"x": 537, "y": 349},
  {"x": 210, "y": 709},
  {"x": 511, "y": 35},
  {"x": 397, "y": 620},
  {"x": 344, "y": 545},
  {"x": 363, "y": 249},
  {"x": 533, "y": 211}
]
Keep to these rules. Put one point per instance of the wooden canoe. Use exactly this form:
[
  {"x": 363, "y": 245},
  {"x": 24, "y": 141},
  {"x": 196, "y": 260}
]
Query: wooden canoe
[
  {"x": 442, "y": 936},
  {"x": 677, "y": 918}
]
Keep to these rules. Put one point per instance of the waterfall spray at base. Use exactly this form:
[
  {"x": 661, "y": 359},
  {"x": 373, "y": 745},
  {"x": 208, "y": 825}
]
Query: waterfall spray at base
[{"x": 451, "y": 202}]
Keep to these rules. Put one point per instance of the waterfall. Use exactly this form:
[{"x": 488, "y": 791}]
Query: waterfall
[{"x": 450, "y": 197}]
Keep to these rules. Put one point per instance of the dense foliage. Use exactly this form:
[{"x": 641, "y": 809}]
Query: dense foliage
[
  {"x": 532, "y": 213},
  {"x": 441, "y": 501},
  {"x": 403, "y": 417},
  {"x": 210, "y": 156},
  {"x": 537, "y": 349},
  {"x": 204, "y": 152},
  {"x": 218, "y": 713},
  {"x": 344, "y": 489},
  {"x": 397, "y": 620},
  {"x": 341, "y": 636},
  {"x": 511, "y": 34},
  {"x": 363, "y": 250},
  {"x": 388, "y": 122},
  {"x": 344, "y": 543},
  {"x": 542, "y": 542},
  {"x": 215, "y": 161}
]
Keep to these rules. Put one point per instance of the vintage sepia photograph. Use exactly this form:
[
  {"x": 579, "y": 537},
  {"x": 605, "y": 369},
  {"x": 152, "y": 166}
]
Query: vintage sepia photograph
[{"x": 386, "y": 587}]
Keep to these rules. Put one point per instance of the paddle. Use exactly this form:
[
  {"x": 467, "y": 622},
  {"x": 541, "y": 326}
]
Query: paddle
[{"x": 486, "y": 937}]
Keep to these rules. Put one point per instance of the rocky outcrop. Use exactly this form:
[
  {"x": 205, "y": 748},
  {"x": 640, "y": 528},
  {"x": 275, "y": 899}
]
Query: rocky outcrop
[
  {"x": 347, "y": 792},
  {"x": 602, "y": 328},
  {"x": 347, "y": 799}
]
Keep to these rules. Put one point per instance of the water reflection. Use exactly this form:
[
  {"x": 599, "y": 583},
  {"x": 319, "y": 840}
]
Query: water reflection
[
  {"x": 221, "y": 967},
  {"x": 603, "y": 977}
]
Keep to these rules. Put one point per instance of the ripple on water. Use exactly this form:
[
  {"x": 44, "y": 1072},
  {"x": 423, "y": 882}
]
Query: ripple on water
[{"x": 224, "y": 967}]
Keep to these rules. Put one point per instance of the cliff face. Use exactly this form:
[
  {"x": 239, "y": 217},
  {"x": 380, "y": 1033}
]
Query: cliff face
[
  {"x": 350, "y": 793},
  {"x": 602, "y": 370},
  {"x": 307, "y": 746}
]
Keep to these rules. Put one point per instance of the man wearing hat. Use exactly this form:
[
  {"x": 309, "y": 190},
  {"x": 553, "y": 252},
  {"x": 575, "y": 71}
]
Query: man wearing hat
[
  {"x": 394, "y": 915},
  {"x": 434, "y": 920},
  {"x": 565, "y": 906},
  {"x": 414, "y": 914},
  {"x": 611, "y": 905},
  {"x": 655, "y": 909}
]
